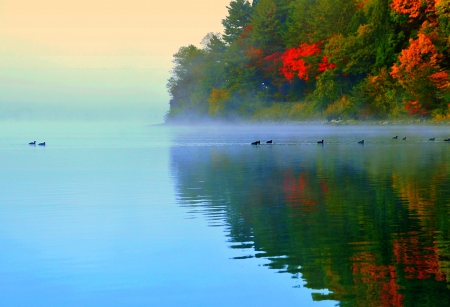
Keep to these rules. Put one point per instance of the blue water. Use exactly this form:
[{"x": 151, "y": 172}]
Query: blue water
[
  {"x": 126, "y": 214},
  {"x": 96, "y": 218}
]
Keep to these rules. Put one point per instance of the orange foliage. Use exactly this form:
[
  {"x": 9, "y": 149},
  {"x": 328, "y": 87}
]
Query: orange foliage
[
  {"x": 414, "y": 8},
  {"x": 367, "y": 272},
  {"x": 422, "y": 262},
  {"x": 419, "y": 64},
  {"x": 441, "y": 79},
  {"x": 421, "y": 54}
]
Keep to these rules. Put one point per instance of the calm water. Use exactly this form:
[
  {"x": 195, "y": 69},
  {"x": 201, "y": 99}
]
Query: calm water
[{"x": 133, "y": 215}]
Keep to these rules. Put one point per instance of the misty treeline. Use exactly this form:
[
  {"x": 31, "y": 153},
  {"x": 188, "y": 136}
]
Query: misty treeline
[{"x": 328, "y": 59}]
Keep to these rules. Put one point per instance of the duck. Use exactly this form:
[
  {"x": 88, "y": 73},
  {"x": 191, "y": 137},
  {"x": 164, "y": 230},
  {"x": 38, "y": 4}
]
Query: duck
[
  {"x": 269, "y": 142},
  {"x": 32, "y": 143},
  {"x": 404, "y": 139},
  {"x": 42, "y": 144},
  {"x": 432, "y": 139},
  {"x": 447, "y": 140},
  {"x": 395, "y": 137},
  {"x": 320, "y": 142},
  {"x": 361, "y": 142},
  {"x": 256, "y": 143}
]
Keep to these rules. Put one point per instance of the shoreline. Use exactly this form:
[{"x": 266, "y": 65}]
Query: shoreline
[{"x": 405, "y": 122}]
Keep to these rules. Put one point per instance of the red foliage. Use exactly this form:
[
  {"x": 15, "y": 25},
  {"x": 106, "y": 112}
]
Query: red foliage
[
  {"x": 303, "y": 193},
  {"x": 414, "y": 107},
  {"x": 324, "y": 65},
  {"x": 294, "y": 63},
  {"x": 273, "y": 63}
]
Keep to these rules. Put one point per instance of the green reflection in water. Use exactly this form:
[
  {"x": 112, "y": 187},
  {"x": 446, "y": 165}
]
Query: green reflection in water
[{"x": 369, "y": 223}]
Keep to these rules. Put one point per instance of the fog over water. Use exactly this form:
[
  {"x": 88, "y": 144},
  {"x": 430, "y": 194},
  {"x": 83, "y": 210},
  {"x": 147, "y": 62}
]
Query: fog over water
[{"x": 130, "y": 214}]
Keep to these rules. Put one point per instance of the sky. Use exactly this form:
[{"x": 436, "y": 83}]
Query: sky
[{"x": 95, "y": 59}]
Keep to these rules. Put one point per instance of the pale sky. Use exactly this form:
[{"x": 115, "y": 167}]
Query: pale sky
[{"x": 95, "y": 59}]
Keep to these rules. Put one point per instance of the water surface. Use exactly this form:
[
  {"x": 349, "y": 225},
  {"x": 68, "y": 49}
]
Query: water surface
[{"x": 136, "y": 215}]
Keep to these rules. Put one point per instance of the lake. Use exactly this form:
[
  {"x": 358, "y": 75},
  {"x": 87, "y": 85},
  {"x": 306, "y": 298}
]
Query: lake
[{"x": 126, "y": 214}]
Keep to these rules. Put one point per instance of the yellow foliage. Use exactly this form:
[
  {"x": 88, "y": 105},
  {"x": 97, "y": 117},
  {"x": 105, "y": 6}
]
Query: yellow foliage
[
  {"x": 300, "y": 111},
  {"x": 441, "y": 117},
  {"x": 283, "y": 111},
  {"x": 217, "y": 100},
  {"x": 441, "y": 114},
  {"x": 338, "y": 108}
]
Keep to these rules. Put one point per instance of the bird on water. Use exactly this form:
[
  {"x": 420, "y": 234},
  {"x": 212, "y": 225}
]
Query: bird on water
[
  {"x": 320, "y": 142},
  {"x": 269, "y": 142},
  {"x": 395, "y": 137},
  {"x": 256, "y": 143},
  {"x": 404, "y": 139},
  {"x": 432, "y": 139},
  {"x": 361, "y": 142},
  {"x": 42, "y": 144},
  {"x": 32, "y": 143}
]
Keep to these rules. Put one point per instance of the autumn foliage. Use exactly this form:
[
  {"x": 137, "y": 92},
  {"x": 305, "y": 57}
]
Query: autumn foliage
[
  {"x": 414, "y": 8},
  {"x": 419, "y": 71},
  {"x": 387, "y": 58},
  {"x": 294, "y": 61}
]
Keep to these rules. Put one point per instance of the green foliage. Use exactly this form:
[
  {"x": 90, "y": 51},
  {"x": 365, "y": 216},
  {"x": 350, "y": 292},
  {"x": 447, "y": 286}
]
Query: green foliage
[
  {"x": 340, "y": 109},
  {"x": 238, "y": 18},
  {"x": 331, "y": 17},
  {"x": 364, "y": 65},
  {"x": 327, "y": 90},
  {"x": 443, "y": 11},
  {"x": 385, "y": 245},
  {"x": 268, "y": 26},
  {"x": 379, "y": 97}
]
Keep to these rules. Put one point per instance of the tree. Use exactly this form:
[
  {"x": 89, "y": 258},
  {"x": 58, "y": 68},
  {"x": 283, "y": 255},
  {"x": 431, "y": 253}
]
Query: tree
[
  {"x": 294, "y": 61},
  {"x": 384, "y": 41},
  {"x": 419, "y": 72},
  {"x": 239, "y": 12},
  {"x": 298, "y": 28},
  {"x": 332, "y": 55},
  {"x": 414, "y": 8},
  {"x": 185, "y": 78},
  {"x": 214, "y": 62},
  {"x": 217, "y": 100},
  {"x": 330, "y": 17},
  {"x": 268, "y": 23},
  {"x": 443, "y": 11}
]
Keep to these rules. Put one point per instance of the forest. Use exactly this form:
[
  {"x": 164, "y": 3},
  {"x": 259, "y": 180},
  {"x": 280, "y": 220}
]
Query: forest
[{"x": 297, "y": 60}]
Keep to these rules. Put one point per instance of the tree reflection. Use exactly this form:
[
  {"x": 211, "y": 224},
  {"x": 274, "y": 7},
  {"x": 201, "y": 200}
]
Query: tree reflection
[{"x": 369, "y": 225}]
